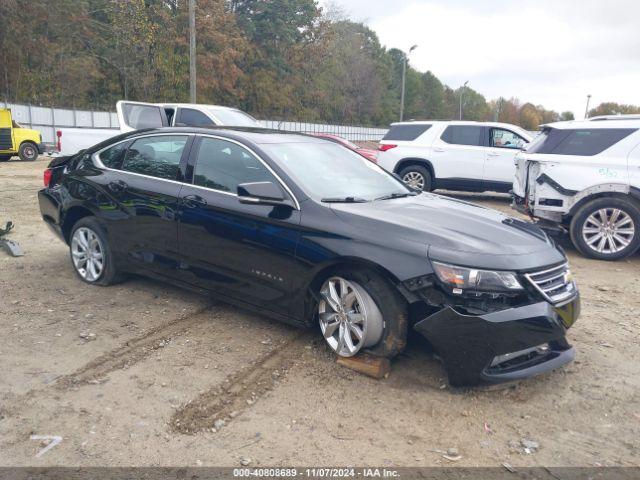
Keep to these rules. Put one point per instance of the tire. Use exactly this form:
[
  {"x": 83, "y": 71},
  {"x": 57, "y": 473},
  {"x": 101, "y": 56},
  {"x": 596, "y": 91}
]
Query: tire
[
  {"x": 386, "y": 334},
  {"x": 5, "y": 158},
  {"x": 418, "y": 177},
  {"x": 28, "y": 152},
  {"x": 620, "y": 220},
  {"x": 90, "y": 229}
]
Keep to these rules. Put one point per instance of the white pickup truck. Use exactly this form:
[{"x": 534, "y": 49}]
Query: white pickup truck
[
  {"x": 584, "y": 176},
  {"x": 139, "y": 115}
]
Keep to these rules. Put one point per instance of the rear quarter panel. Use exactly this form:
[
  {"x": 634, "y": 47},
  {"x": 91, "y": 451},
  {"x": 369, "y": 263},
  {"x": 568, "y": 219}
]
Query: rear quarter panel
[{"x": 420, "y": 148}]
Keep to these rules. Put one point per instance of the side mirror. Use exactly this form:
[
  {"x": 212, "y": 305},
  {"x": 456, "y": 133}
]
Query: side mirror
[{"x": 262, "y": 193}]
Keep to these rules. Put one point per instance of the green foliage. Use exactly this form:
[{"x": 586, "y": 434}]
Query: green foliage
[
  {"x": 273, "y": 58},
  {"x": 566, "y": 116}
]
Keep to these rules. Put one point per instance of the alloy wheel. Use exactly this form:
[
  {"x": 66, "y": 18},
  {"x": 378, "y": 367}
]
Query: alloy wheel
[
  {"x": 608, "y": 230},
  {"x": 414, "y": 180},
  {"x": 29, "y": 152},
  {"x": 349, "y": 318},
  {"x": 87, "y": 253}
]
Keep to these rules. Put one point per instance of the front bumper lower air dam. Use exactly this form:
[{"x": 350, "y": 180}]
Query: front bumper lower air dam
[{"x": 502, "y": 346}]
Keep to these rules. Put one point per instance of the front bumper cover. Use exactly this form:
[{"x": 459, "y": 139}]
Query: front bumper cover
[{"x": 468, "y": 344}]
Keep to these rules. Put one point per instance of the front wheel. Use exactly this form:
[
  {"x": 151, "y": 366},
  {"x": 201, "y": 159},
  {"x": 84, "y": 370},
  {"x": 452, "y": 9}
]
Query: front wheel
[
  {"x": 360, "y": 311},
  {"x": 5, "y": 158},
  {"x": 607, "y": 228},
  {"x": 91, "y": 255},
  {"x": 28, "y": 152},
  {"x": 417, "y": 177}
]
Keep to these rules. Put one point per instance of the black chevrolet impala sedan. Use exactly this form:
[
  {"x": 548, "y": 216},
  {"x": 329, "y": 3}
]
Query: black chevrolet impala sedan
[{"x": 308, "y": 232}]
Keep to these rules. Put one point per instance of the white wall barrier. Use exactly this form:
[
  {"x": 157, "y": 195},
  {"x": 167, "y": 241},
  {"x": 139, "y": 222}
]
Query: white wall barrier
[{"x": 48, "y": 119}]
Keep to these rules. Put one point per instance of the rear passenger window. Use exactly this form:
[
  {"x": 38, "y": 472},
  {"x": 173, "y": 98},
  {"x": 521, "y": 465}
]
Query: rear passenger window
[
  {"x": 584, "y": 142},
  {"x": 463, "y": 135},
  {"x": 112, "y": 157},
  {"x": 155, "y": 156},
  {"x": 405, "y": 132},
  {"x": 193, "y": 118},
  {"x": 223, "y": 165}
]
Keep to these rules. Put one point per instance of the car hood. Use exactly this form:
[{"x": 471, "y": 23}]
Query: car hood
[{"x": 455, "y": 231}]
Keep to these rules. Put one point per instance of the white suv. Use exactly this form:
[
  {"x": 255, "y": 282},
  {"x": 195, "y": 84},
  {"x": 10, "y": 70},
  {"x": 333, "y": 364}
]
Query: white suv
[
  {"x": 585, "y": 176},
  {"x": 469, "y": 156}
]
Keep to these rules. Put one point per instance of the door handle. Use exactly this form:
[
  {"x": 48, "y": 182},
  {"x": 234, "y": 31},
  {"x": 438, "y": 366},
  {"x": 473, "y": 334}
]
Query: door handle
[
  {"x": 438, "y": 149},
  {"x": 194, "y": 201},
  {"x": 493, "y": 154},
  {"x": 118, "y": 186}
]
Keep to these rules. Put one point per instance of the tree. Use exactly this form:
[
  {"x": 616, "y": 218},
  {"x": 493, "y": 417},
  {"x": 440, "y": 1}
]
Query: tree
[
  {"x": 566, "y": 116},
  {"x": 611, "y": 108},
  {"x": 530, "y": 118},
  {"x": 284, "y": 59}
]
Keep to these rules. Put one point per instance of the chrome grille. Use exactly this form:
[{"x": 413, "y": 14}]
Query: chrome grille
[{"x": 555, "y": 284}]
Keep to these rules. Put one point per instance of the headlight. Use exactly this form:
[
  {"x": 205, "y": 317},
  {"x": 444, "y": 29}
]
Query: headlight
[{"x": 462, "y": 278}]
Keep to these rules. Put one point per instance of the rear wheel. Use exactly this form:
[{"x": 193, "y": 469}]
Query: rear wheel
[
  {"x": 91, "y": 255},
  {"x": 361, "y": 311},
  {"x": 418, "y": 177},
  {"x": 28, "y": 152},
  {"x": 607, "y": 228}
]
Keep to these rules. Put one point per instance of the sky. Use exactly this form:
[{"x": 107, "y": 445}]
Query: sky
[{"x": 547, "y": 52}]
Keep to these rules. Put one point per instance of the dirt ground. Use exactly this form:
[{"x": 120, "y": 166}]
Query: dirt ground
[{"x": 144, "y": 374}]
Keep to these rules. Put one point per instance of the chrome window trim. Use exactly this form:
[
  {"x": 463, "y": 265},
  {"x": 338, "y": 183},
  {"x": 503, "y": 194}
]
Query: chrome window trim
[
  {"x": 96, "y": 159},
  {"x": 98, "y": 163}
]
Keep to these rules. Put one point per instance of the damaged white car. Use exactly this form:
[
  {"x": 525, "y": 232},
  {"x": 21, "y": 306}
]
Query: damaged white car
[{"x": 584, "y": 177}]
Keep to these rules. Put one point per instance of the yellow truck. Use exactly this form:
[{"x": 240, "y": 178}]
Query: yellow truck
[{"x": 16, "y": 140}]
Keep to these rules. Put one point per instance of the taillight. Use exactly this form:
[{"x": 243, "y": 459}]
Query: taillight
[
  {"x": 385, "y": 147},
  {"x": 59, "y": 144},
  {"x": 48, "y": 173}
]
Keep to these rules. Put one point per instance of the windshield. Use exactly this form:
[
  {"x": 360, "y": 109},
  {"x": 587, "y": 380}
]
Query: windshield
[
  {"x": 329, "y": 171},
  {"x": 234, "y": 118}
]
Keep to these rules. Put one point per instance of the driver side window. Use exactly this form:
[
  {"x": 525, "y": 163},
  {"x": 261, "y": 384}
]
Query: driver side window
[
  {"x": 501, "y": 138},
  {"x": 223, "y": 165}
]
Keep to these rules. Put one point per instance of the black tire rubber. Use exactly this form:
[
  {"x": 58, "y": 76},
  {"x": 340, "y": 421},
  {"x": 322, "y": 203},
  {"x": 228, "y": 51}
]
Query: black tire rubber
[
  {"x": 5, "y": 158},
  {"x": 629, "y": 206},
  {"x": 109, "y": 275},
  {"x": 23, "y": 152},
  {"x": 394, "y": 309},
  {"x": 428, "y": 180}
]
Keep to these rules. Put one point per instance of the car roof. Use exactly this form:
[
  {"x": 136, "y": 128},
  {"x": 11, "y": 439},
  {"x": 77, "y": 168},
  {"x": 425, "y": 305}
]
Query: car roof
[
  {"x": 252, "y": 134},
  {"x": 574, "y": 124},
  {"x": 198, "y": 106},
  {"x": 631, "y": 116},
  {"x": 507, "y": 126},
  {"x": 457, "y": 122}
]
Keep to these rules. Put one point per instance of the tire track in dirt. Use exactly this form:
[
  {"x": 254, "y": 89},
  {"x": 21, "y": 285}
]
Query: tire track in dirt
[
  {"x": 128, "y": 354},
  {"x": 241, "y": 389},
  {"x": 133, "y": 351}
]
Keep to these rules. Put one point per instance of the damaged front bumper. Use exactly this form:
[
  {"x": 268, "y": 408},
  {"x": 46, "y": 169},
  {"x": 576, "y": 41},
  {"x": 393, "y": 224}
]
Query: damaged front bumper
[{"x": 501, "y": 346}]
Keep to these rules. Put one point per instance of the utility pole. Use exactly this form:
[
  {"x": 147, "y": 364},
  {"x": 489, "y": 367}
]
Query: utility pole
[
  {"x": 192, "y": 51},
  {"x": 461, "y": 92},
  {"x": 586, "y": 111},
  {"x": 405, "y": 60}
]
